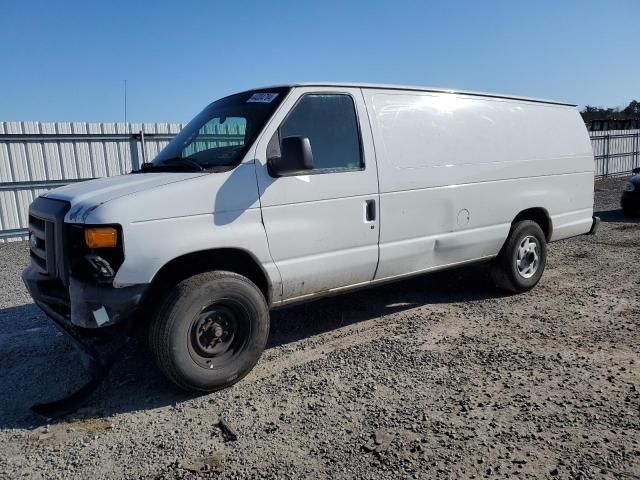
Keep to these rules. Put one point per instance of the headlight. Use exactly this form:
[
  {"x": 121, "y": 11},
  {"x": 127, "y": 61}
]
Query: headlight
[
  {"x": 629, "y": 187},
  {"x": 101, "y": 237}
]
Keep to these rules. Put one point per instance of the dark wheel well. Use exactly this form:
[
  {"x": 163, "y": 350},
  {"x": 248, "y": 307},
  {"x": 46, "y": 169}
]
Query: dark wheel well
[
  {"x": 228, "y": 259},
  {"x": 538, "y": 215}
]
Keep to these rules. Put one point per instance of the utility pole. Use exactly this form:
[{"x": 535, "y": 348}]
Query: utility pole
[{"x": 125, "y": 103}]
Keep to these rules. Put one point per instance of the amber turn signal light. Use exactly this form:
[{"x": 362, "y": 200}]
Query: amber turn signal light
[{"x": 101, "y": 237}]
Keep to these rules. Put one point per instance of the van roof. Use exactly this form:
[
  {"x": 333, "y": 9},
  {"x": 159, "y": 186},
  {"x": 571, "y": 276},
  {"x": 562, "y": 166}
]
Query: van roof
[{"x": 383, "y": 86}]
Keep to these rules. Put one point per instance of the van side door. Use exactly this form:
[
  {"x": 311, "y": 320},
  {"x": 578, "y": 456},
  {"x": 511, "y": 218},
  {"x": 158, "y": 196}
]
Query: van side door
[{"x": 322, "y": 224}]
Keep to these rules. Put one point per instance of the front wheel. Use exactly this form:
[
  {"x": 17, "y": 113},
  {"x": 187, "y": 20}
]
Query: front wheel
[
  {"x": 210, "y": 331},
  {"x": 519, "y": 265}
]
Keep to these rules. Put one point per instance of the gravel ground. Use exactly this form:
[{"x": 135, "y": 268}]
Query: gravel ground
[{"x": 436, "y": 377}]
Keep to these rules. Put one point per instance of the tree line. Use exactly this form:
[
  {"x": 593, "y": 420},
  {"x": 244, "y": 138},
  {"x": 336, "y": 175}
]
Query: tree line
[{"x": 631, "y": 112}]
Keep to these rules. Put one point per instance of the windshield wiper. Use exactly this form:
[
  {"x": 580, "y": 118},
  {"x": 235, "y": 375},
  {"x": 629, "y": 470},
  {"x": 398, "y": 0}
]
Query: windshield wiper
[
  {"x": 166, "y": 167},
  {"x": 172, "y": 164},
  {"x": 184, "y": 160}
]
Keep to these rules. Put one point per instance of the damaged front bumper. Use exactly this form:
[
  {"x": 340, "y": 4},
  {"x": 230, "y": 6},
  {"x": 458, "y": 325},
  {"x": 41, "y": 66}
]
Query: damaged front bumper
[
  {"x": 83, "y": 304},
  {"x": 88, "y": 306}
]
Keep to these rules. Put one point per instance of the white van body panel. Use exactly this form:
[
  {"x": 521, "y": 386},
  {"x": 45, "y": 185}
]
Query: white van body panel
[
  {"x": 455, "y": 171},
  {"x": 318, "y": 235},
  {"x": 219, "y": 210},
  {"x": 87, "y": 196}
]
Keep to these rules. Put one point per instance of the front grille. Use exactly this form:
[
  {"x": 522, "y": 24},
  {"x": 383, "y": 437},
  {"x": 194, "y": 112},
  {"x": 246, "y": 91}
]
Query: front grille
[
  {"x": 46, "y": 236},
  {"x": 38, "y": 229}
]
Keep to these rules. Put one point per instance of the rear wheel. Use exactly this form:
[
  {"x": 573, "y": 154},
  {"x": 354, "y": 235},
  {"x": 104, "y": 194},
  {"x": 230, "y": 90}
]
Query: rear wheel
[
  {"x": 520, "y": 264},
  {"x": 630, "y": 211},
  {"x": 210, "y": 331}
]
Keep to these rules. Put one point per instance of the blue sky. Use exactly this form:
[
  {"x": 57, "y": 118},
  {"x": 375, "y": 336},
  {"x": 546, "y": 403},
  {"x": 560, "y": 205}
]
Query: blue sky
[{"x": 66, "y": 60}]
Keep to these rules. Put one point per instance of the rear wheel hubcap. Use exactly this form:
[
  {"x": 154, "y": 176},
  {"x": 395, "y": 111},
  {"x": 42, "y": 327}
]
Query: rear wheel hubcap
[{"x": 528, "y": 257}]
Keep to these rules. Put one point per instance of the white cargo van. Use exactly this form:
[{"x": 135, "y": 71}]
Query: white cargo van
[{"x": 284, "y": 194}]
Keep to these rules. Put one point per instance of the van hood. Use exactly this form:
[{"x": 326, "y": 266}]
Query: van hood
[
  {"x": 102, "y": 190},
  {"x": 87, "y": 196}
]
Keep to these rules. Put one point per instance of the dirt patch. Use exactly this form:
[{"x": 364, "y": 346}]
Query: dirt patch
[
  {"x": 584, "y": 254},
  {"x": 66, "y": 432},
  {"x": 209, "y": 463},
  {"x": 629, "y": 226},
  {"x": 624, "y": 243}
]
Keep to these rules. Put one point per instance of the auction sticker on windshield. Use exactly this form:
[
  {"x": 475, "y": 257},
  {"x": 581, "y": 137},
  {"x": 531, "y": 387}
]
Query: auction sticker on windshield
[{"x": 262, "y": 97}]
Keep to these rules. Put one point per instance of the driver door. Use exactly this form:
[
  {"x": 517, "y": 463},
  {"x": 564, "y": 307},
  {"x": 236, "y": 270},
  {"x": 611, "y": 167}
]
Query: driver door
[{"x": 322, "y": 225}]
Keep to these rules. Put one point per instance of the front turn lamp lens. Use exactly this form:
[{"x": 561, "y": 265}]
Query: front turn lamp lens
[
  {"x": 629, "y": 187},
  {"x": 101, "y": 237}
]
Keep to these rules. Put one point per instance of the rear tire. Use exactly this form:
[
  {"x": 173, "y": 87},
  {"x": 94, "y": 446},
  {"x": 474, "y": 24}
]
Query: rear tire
[
  {"x": 631, "y": 212},
  {"x": 210, "y": 331},
  {"x": 521, "y": 261}
]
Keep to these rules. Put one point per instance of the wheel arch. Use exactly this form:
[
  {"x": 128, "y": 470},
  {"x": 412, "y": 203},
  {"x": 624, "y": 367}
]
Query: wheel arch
[
  {"x": 234, "y": 260},
  {"x": 539, "y": 215}
]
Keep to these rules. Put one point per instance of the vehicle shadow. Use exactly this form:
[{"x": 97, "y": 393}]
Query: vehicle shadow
[
  {"x": 616, "y": 216},
  {"x": 462, "y": 284},
  {"x": 40, "y": 365}
]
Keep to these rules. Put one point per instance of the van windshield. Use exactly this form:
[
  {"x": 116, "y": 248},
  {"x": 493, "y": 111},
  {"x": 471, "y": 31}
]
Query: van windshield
[{"x": 219, "y": 136}]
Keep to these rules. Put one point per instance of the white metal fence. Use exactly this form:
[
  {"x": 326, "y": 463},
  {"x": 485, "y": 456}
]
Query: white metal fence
[{"x": 36, "y": 157}]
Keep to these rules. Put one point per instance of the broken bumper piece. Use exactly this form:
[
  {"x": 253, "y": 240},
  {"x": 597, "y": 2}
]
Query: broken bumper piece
[
  {"x": 89, "y": 307},
  {"x": 82, "y": 304}
]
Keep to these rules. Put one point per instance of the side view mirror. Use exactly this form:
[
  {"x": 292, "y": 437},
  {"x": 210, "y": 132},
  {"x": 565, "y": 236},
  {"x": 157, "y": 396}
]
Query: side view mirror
[
  {"x": 295, "y": 157},
  {"x": 636, "y": 170}
]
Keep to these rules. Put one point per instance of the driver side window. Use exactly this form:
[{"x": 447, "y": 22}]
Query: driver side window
[{"x": 329, "y": 122}]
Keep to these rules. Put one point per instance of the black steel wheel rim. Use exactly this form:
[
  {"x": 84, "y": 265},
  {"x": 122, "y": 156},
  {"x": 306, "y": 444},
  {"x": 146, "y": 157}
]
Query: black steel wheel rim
[{"x": 218, "y": 334}]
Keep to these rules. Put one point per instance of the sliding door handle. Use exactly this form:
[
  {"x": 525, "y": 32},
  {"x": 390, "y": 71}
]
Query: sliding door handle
[{"x": 370, "y": 210}]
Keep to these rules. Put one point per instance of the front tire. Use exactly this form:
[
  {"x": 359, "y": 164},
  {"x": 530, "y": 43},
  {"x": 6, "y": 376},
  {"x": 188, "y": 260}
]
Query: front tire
[
  {"x": 521, "y": 261},
  {"x": 210, "y": 331}
]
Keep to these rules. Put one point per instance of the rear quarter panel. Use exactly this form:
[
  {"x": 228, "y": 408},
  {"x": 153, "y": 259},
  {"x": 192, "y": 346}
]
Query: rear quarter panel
[{"x": 455, "y": 170}]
